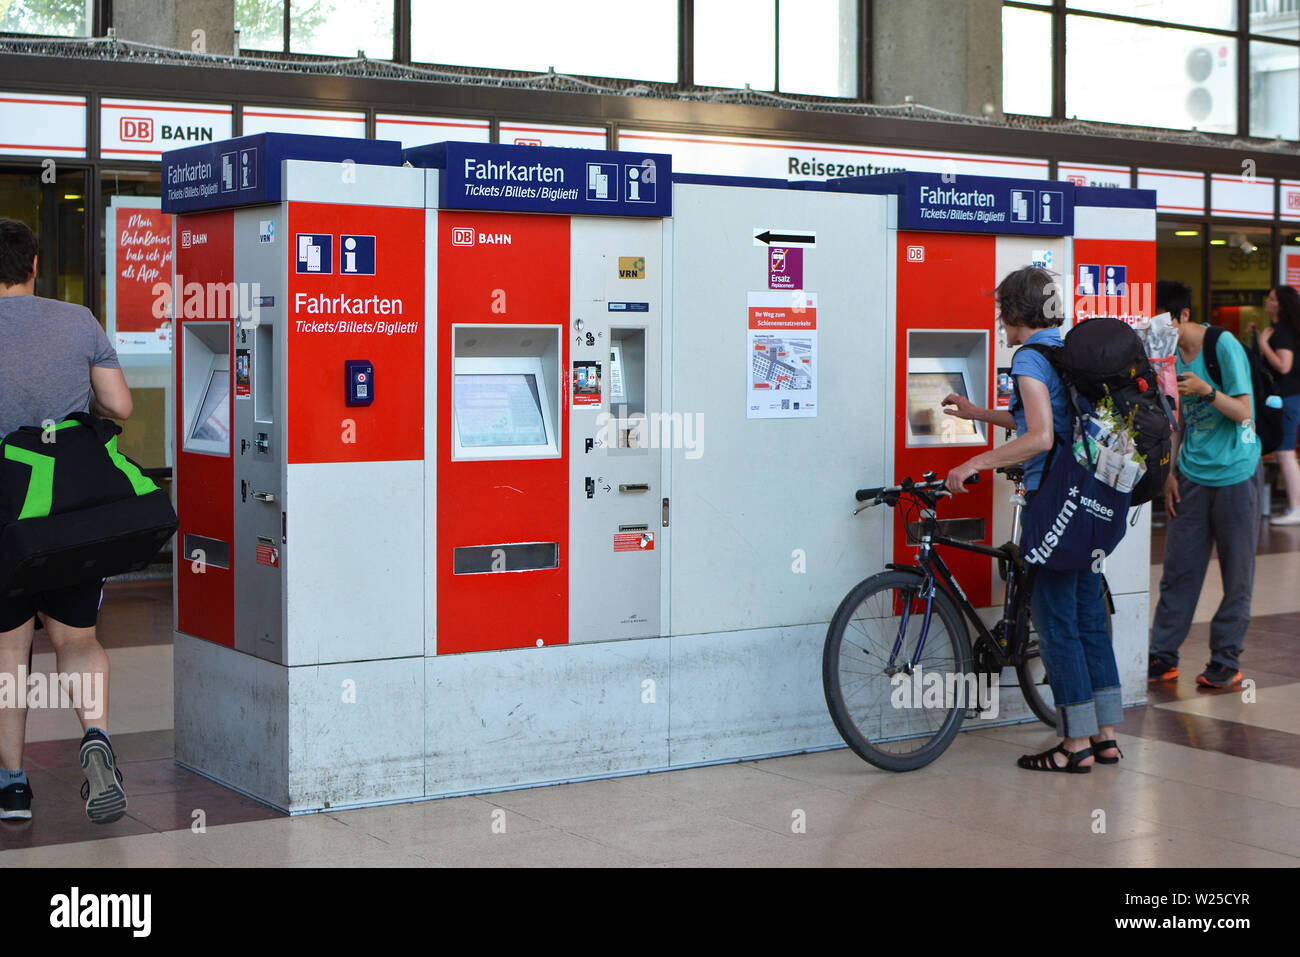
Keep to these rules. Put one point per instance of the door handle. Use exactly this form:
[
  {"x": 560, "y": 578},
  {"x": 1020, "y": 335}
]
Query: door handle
[{"x": 264, "y": 496}]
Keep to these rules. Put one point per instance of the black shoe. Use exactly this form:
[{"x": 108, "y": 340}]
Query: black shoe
[
  {"x": 16, "y": 802},
  {"x": 102, "y": 789},
  {"x": 1216, "y": 675},
  {"x": 1160, "y": 668}
]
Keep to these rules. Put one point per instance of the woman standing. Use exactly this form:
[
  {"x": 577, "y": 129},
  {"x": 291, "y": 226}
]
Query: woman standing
[
  {"x": 1067, "y": 606},
  {"x": 1278, "y": 345}
]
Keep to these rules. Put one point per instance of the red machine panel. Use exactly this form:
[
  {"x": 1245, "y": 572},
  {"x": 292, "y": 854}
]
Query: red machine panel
[
  {"x": 946, "y": 281},
  {"x": 356, "y": 291},
  {"x": 1132, "y": 261},
  {"x": 204, "y": 496},
  {"x": 511, "y": 269}
]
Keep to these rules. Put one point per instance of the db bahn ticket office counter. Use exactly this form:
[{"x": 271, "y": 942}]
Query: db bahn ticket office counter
[{"x": 501, "y": 466}]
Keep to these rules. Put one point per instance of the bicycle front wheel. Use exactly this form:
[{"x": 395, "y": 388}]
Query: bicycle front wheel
[{"x": 896, "y": 709}]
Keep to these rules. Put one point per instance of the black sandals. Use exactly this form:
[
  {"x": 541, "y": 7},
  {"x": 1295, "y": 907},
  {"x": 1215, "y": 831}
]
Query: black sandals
[{"x": 1045, "y": 761}]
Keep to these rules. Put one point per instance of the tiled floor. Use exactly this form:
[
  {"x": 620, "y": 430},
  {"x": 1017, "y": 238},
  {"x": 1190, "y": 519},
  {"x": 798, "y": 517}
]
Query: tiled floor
[{"x": 1207, "y": 779}]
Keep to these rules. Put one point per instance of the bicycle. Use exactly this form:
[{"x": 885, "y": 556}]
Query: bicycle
[{"x": 891, "y": 603}]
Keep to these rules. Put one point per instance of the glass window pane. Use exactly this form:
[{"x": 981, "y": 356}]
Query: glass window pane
[
  {"x": 329, "y": 28},
  {"x": 1241, "y": 269},
  {"x": 1178, "y": 256},
  {"x": 260, "y": 24},
  {"x": 819, "y": 47},
  {"x": 1279, "y": 19},
  {"x": 1026, "y": 62},
  {"x": 1186, "y": 79},
  {"x": 577, "y": 37},
  {"x": 735, "y": 43},
  {"x": 1274, "y": 90},
  {"x": 1219, "y": 14},
  {"x": 59, "y": 18}
]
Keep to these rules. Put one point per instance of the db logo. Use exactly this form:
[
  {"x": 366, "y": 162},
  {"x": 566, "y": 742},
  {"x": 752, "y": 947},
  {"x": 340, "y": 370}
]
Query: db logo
[
  {"x": 1078, "y": 180},
  {"x": 527, "y": 141},
  {"x": 186, "y": 239},
  {"x": 916, "y": 254},
  {"x": 136, "y": 129},
  {"x": 460, "y": 236},
  {"x": 1293, "y": 200}
]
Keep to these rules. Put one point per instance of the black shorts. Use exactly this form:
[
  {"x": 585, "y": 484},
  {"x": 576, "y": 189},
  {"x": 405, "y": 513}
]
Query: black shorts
[{"x": 76, "y": 605}]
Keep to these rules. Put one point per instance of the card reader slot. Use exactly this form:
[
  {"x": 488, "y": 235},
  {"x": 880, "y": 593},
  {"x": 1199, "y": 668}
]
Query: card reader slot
[
  {"x": 634, "y": 487},
  {"x": 634, "y": 528}
]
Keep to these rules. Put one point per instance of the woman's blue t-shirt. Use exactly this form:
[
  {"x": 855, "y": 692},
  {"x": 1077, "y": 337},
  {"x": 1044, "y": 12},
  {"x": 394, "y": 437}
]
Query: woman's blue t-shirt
[{"x": 1035, "y": 365}]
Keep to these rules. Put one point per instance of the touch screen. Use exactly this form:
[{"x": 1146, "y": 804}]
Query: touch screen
[
  {"x": 500, "y": 409},
  {"x": 213, "y": 422},
  {"x": 925, "y": 395}
]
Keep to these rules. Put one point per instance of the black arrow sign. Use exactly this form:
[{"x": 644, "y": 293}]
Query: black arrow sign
[{"x": 770, "y": 237}]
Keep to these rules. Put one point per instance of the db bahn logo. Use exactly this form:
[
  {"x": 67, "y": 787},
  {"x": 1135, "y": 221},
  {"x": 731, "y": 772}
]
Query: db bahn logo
[
  {"x": 1293, "y": 200},
  {"x": 462, "y": 236},
  {"x": 916, "y": 254},
  {"x": 136, "y": 129}
]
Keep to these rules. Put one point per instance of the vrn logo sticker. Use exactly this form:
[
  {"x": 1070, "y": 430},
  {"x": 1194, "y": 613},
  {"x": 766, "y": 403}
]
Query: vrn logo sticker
[{"x": 356, "y": 255}]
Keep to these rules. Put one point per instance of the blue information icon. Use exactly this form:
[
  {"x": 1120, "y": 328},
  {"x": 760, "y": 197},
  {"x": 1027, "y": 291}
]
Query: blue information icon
[
  {"x": 1051, "y": 208},
  {"x": 1116, "y": 280},
  {"x": 602, "y": 182},
  {"x": 639, "y": 183},
  {"x": 356, "y": 255}
]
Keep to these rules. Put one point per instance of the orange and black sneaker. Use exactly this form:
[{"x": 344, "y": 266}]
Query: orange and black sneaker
[
  {"x": 1160, "y": 668},
  {"x": 1216, "y": 675}
]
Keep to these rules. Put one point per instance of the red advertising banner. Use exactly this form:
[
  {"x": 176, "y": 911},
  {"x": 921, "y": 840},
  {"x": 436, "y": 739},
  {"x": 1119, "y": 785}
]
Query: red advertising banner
[{"x": 139, "y": 257}]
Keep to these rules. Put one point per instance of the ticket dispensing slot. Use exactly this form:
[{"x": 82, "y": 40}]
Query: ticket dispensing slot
[
  {"x": 627, "y": 386},
  {"x": 941, "y": 364},
  {"x": 207, "y": 387}
]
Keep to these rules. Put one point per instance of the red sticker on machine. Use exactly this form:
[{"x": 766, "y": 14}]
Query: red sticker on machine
[
  {"x": 634, "y": 541},
  {"x": 268, "y": 555}
]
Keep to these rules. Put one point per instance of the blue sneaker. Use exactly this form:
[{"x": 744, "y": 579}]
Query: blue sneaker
[
  {"x": 102, "y": 789},
  {"x": 16, "y": 802}
]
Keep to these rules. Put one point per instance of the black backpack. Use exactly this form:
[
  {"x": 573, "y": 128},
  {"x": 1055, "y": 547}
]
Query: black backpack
[
  {"x": 73, "y": 508},
  {"x": 1268, "y": 422},
  {"x": 1104, "y": 356}
]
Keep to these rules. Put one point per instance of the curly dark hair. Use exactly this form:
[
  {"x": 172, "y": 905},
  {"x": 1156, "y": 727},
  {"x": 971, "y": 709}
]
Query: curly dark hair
[
  {"x": 17, "y": 252},
  {"x": 1288, "y": 309},
  {"x": 1031, "y": 297}
]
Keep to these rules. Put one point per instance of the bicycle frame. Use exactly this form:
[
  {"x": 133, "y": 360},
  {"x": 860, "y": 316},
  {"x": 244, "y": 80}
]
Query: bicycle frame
[{"x": 935, "y": 570}]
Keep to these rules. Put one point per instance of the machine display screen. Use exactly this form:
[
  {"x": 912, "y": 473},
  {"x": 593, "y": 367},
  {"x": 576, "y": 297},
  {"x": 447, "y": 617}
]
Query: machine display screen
[
  {"x": 501, "y": 409},
  {"x": 925, "y": 395},
  {"x": 213, "y": 421}
]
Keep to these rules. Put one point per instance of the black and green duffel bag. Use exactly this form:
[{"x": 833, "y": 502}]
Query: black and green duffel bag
[{"x": 73, "y": 508}]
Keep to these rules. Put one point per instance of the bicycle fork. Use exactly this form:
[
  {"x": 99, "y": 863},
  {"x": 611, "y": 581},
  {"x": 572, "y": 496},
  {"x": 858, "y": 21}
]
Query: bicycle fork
[{"x": 891, "y": 668}]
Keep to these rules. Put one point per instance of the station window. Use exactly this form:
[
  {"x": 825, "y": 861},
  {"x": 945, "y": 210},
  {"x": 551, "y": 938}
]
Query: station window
[
  {"x": 818, "y": 47},
  {"x": 1179, "y": 247},
  {"x": 577, "y": 37},
  {"x": 1188, "y": 79},
  {"x": 1241, "y": 273},
  {"x": 317, "y": 27},
  {"x": 1215, "y": 14},
  {"x": 56, "y": 211},
  {"x": 1274, "y": 90},
  {"x": 1026, "y": 62},
  {"x": 54, "y": 18}
]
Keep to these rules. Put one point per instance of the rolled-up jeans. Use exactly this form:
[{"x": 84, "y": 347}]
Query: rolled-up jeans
[{"x": 1070, "y": 616}]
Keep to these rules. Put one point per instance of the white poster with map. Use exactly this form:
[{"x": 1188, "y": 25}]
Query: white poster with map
[{"x": 781, "y": 360}]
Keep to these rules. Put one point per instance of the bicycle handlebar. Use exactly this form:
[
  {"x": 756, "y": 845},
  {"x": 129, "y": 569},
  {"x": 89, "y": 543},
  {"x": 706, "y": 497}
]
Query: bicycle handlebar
[{"x": 907, "y": 485}]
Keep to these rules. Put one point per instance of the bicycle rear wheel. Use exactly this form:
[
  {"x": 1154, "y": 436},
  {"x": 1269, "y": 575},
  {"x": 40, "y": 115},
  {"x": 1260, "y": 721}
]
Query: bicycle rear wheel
[{"x": 898, "y": 717}]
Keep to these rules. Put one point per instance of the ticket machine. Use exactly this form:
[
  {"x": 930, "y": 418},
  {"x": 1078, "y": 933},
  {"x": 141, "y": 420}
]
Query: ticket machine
[{"x": 502, "y": 466}]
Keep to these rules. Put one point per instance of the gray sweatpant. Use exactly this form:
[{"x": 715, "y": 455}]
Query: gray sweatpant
[{"x": 1226, "y": 516}]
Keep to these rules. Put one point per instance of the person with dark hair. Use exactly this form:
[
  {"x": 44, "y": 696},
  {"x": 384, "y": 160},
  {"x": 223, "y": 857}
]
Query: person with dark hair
[
  {"x": 1211, "y": 498},
  {"x": 54, "y": 360},
  {"x": 1067, "y": 606},
  {"x": 1278, "y": 345}
]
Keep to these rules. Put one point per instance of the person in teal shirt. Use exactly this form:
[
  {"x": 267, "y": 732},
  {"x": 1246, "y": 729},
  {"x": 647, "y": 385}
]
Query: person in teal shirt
[{"x": 1211, "y": 498}]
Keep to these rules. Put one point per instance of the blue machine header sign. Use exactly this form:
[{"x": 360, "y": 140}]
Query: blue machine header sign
[
  {"x": 542, "y": 179},
  {"x": 246, "y": 171},
  {"x": 973, "y": 204}
]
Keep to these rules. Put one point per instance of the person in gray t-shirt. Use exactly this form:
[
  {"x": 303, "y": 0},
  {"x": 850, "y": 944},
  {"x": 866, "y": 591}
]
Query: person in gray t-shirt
[{"x": 54, "y": 360}]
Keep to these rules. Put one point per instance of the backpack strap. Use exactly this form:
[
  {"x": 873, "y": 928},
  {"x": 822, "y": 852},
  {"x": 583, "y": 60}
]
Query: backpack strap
[
  {"x": 1211, "y": 350},
  {"x": 1047, "y": 352}
]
